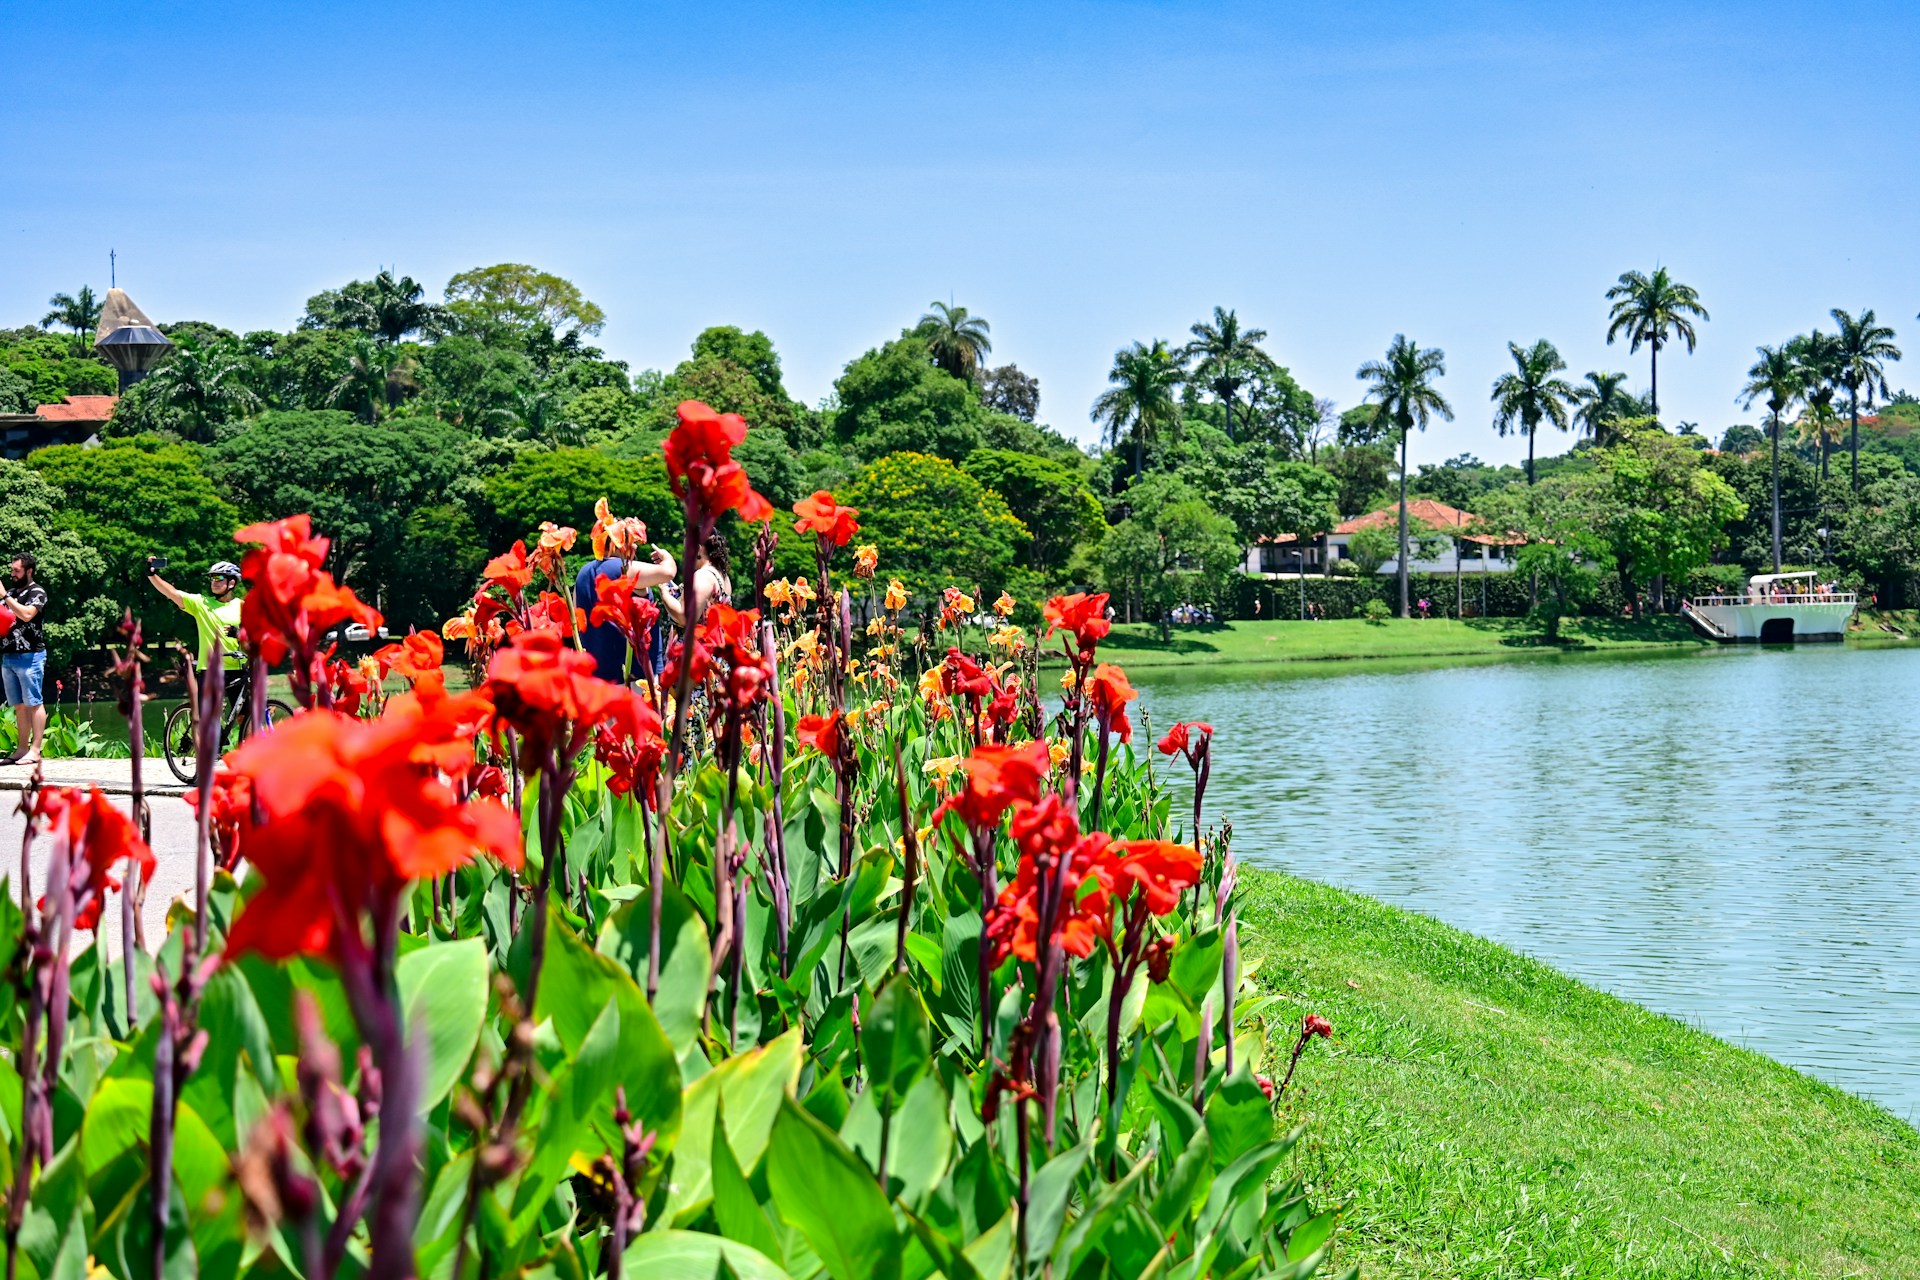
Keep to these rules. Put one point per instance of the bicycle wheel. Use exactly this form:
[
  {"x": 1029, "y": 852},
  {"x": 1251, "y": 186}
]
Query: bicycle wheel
[
  {"x": 277, "y": 712},
  {"x": 177, "y": 745}
]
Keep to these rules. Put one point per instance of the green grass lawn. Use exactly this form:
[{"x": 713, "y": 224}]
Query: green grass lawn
[
  {"x": 1480, "y": 1114},
  {"x": 1140, "y": 645}
]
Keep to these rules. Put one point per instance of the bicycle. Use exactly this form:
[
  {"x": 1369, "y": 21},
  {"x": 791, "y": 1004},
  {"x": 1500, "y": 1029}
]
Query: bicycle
[{"x": 179, "y": 739}]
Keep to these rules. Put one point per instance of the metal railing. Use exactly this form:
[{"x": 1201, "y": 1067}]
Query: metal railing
[{"x": 1764, "y": 597}]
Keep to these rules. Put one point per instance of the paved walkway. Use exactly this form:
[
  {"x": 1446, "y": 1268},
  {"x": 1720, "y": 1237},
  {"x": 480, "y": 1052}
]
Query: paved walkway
[{"x": 173, "y": 834}]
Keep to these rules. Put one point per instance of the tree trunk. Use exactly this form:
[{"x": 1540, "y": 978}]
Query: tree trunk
[
  {"x": 1776, "y": 491},
  {"x": 1137, "y": 434},
  {"x": 1853, "y": 444},
  {"x": 1530, "y": 432},
  {"x": 1405, "y": 610},
  {"x": 1653, "y": 392}
]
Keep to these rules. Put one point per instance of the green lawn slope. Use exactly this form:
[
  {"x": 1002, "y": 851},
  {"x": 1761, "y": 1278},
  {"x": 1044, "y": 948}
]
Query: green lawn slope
[
  {"x": 1140, "y": 645},
  {"x": 1480, "y": 1114}
]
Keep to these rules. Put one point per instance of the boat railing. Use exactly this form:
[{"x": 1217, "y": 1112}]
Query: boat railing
[{"x": 1764, "y": 597}]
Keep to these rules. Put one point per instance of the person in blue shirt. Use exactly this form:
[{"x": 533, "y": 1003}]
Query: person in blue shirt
[{"x": 604, "y": 642}]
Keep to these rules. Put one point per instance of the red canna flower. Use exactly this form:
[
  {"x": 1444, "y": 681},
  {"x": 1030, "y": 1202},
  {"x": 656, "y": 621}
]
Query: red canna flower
[
  {"x": 1047, "y": 833},
  {"x": 347, "y": 685},
  {"x": 826, "y": 518},
  {"x": 232, "y": 802},
  {"x": 1082, "y": 614},
  {"x": 1162, "y": 869},
  {"x": 700, "y": 465},
  {"x": 291, "y": 601},
  {"x": 511, "y": 571},
  {"x": 554, "y": 612},
  {"x": 1315, "y": 1025},
  {"x": 627, "y": 611},
  {"x": 545, "y": 690},
  {"x": 414, "y": 659},
  {"x": 822, "y": 733},
  {"x": 1180, "y": 738},
  {"x": 1108, "y": 694},
  {"x": 630, "y": 747},
  {"x": 996, "y": 779},
  {"x": 961, "y": 674},
  {"x": 355, "y": 810},
  {"x": 98, "y": 836}
]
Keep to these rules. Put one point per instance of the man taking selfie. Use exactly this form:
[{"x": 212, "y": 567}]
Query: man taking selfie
[
  {"x": 23, "y": 658},
  {"x": 215, "y": 614}
]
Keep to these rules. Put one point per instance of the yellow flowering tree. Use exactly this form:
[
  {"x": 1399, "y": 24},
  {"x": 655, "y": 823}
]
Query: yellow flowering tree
[{"x": 935, "y": 525}]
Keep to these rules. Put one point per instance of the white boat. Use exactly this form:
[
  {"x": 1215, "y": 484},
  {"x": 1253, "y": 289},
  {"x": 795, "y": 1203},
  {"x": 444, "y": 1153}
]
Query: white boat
[{"x": 1778, "y": 608}]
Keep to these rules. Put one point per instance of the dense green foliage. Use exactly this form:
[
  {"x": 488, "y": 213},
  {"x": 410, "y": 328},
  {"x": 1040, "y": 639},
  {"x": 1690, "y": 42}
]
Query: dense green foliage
[{"x": 425, "y": 430}]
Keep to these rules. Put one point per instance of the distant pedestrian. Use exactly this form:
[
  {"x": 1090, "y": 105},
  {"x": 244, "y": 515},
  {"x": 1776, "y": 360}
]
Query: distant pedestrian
[{"x": 23, "y": 658}]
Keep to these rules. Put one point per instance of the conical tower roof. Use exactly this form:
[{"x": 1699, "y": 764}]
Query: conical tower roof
[{"x": 117, "y": 312}]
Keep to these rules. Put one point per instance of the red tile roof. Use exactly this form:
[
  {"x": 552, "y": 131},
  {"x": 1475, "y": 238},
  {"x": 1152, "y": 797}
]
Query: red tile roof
[
  {"x": 1438, "y": 515},
  {"x": 79, "y": 409}
]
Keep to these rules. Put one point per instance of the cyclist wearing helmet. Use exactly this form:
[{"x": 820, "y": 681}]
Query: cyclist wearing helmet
[{"x": 215, "y": 614}]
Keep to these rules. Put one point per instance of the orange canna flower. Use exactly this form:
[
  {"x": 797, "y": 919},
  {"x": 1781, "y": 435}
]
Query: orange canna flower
[
  {"x": 1047, "y": 831},
  {"x": 418, "y": 657},
  {"x": 1004, "y": 605},
  {"x": 510, "y": 570},
  {"x": 826, "y": 519},
  {"x": 1161, "y": 869},
  {"x": 996, "y": 778},
  {"x": 611, "y": 534},
  {"x": 1109, "y": 693},
  {"x": 779, "y": 593},
  {"x": 866, "y": 558},
  {"x": 545, "y": 690},
  {"x": 896, "y": 598}
]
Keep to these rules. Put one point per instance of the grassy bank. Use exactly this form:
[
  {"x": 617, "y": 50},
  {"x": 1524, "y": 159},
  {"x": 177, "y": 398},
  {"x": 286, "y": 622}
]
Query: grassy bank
[
  {"x": 1140, "y": 645},
  {"x": 1483, "y": 1115}
]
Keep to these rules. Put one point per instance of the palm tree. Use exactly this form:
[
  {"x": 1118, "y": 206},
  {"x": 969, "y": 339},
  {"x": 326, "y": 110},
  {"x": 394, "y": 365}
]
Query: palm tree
[
  {"x": 1402, "y": 388},
  {"x": 1602, "y": 405},
  {"x": 206, "y": 386},
  {"x": 1531, "y": 393},
  {"x": 392, "y": 308},
  {"x": 78, "y": 312},
  {"x": 1865, "y": 348},
  {"x": 1821, "y": 365},
  {"x": 364, "y": 386},
  {"x": 1225, "y": 353},
  {"x": 1653, "y": 309},
  {"x": 957, "y": 341},
  {"x": 1142, "y": 399},
  {"x": 1774, "y": 378}
]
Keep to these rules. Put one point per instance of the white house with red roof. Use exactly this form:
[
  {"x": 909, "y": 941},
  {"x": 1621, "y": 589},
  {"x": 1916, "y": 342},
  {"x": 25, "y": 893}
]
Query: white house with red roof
[{"x": 1468, "y": 551}]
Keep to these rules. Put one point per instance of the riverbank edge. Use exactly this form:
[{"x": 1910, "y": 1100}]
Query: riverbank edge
[
  {"x": 1433, "y": 643},
  {"x": 1480, "y": 1112}
]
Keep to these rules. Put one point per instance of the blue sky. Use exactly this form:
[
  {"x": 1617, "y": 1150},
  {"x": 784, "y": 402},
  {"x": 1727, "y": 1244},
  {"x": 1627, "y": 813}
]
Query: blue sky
[{"x": 1082, "y": 175}]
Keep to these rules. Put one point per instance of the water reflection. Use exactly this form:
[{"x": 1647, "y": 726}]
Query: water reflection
[{"x": 1726, "y": 836}]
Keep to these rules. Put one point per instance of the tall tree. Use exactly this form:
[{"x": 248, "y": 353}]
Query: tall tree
[
  {"x": 1142, "y": 399},
  {"x": 1602, "y": 404},
  {"x": 1819, "y": 357},
  {"x": 1401, "y": 387},
  {"x": 1775, "y": 379},
  {"x": 956, "y": 339},
  {"x": 1532, "y": 394},
  {"x": 79, "y": 312},
  {"x": 1224, "y": 356},
  {"x": 394, "y": 309},
  {"x": 1866, "y": 348},
  {"x": 1654, "y": 310},
  {"x": 204, "y": 386}
]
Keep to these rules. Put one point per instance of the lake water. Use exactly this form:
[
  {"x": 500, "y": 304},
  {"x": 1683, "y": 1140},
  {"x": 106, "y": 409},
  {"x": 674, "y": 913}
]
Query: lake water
[{"x": 1728, "y": 837}]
